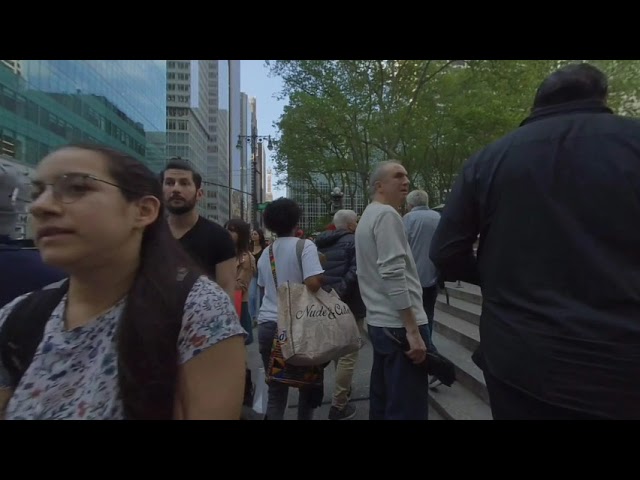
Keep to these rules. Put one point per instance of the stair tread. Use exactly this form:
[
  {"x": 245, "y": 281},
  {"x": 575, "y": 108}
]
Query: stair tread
[
  {"x": 461, "y": 304},
  {"x": 455, "y": 323},
  {"x": 460, "y": 356},
  {"x": 458, "y": 403},
  {"x": 469, "y": 287}
]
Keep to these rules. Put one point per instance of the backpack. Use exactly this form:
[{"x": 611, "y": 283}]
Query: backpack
[{"x": 23, "y": 330}]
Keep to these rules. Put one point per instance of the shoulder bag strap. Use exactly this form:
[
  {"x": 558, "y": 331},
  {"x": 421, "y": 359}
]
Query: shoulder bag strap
[{"x": 272, "y": 261}]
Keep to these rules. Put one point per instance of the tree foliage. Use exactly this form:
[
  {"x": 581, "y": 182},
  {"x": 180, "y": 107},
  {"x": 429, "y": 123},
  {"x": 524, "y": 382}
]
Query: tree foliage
[{"x": 344, "y": 116}]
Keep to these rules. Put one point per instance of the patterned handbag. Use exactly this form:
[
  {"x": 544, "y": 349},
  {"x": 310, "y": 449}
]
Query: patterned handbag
[{"x": 281, "y": 372}]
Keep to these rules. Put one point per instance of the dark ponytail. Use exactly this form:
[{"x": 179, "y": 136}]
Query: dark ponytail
[{"x": 152, "y": 319}]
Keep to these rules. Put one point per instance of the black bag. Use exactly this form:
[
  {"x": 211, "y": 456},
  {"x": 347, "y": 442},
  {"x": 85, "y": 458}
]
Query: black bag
[
  {"x": 23, "y": 330},
  {"x": 436, "y": 364}
]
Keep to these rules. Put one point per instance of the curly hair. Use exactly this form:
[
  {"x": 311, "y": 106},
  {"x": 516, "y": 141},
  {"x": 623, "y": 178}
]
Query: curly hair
[{"x": 282, "y": 216}]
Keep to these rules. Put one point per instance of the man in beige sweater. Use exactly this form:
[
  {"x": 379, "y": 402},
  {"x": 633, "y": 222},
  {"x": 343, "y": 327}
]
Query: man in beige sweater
[{"x": 392, "y": 293}]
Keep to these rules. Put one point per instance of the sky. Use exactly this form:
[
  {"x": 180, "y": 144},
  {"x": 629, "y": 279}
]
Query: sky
[{"x": 256, "y": 81}]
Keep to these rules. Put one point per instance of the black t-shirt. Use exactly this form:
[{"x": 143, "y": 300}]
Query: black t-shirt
[{"x": 208, "y": 244}]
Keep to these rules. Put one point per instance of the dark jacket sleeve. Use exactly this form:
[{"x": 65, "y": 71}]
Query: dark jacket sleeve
[
  {"x": 350, "y": 280},
  {"x": 452, "y": 244}
]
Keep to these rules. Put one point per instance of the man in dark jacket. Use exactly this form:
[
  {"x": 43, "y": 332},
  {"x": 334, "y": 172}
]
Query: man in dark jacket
[
  {"x": 557, "y": 207},
  {"x": 339, "y": 250},
  {"x": 21, "y": 267}
]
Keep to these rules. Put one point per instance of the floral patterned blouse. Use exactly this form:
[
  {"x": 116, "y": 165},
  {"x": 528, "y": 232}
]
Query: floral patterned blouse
[{"x": 74, "y": 373}]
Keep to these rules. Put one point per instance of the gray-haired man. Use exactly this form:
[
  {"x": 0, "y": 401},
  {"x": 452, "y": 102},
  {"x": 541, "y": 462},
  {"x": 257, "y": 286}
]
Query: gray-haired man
[
  {"x": 420, "y": 224},
  {"x": 392, "y": 293}
]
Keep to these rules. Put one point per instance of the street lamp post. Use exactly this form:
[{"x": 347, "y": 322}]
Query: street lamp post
[
  {"x": 336, "y": 199},
  {"x": 254, "y": 140}
]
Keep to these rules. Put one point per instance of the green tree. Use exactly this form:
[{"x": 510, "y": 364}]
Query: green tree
[{"x": 346, "y": 115}]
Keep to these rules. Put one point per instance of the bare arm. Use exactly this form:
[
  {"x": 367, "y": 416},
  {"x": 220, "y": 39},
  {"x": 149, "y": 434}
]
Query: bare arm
[
  {"x": 211, "y": 384},
  {"x": 311, "y": 267},
  {"x": 417, "y": 348},
  {"x": 314, "y": 283},
  {"x": 408, "y": 318},
  {"x": 226, "y": 276}
]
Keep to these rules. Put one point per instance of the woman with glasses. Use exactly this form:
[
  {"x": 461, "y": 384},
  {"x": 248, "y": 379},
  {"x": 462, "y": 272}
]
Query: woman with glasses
[{"x": 122, "y": 342}]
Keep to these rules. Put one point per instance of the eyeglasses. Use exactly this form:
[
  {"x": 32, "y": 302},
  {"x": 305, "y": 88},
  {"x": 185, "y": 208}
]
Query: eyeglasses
[{"x": 69, "y": 187}]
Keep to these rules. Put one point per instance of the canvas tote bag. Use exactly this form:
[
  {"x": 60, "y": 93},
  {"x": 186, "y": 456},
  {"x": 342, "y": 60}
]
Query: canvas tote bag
[{"x": 314, "y": 328}]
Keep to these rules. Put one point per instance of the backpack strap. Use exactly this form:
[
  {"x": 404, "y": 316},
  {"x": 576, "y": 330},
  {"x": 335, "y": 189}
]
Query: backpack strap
[
  {"x": 186, "y": 280},
  {"x": 23, "y": 329}
]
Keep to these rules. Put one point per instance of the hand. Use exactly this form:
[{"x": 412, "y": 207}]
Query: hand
[{"x": 417, "y": 348}]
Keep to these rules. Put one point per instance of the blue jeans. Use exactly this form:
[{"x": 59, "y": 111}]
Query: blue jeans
[
  {"x": 247, "y": 324},
  {"x": 254, "y": 298},
  {"x": 279, "y": 392},
  {"x": 399, "y": 389}
]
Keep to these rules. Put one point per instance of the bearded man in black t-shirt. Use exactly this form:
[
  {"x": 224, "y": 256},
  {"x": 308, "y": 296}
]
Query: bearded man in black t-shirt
[{"x": 208, "y": 243}]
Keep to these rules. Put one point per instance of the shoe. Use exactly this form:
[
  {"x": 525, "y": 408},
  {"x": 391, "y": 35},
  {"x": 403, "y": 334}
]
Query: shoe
[
  {"x": 347, "y": 413},
  {"x": 249, "y": 413},
  {"x": 434, "y": 382}
]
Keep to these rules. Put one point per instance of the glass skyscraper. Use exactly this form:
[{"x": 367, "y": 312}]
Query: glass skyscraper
[{"x": 48, "y": 103}]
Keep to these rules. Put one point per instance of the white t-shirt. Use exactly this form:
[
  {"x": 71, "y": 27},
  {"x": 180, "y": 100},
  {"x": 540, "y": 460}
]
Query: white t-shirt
[{"x": 287, "y": 270}]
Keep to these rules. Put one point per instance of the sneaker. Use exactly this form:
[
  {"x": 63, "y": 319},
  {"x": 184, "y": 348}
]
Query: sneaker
[{"x": 347, "y": 413}]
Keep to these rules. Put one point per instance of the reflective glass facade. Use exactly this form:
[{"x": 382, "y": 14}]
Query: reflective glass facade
[
  {"x": 48, "y": 103},
  {"x": 220, "y": 134}
]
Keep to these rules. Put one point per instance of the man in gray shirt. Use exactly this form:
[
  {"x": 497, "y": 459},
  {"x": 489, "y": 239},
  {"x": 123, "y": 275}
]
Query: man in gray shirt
[
  {"x": 392, "y": 293},
  {"x": 420, "y": 224}
]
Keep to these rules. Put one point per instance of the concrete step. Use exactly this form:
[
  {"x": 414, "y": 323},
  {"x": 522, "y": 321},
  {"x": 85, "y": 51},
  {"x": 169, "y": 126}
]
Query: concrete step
[
  {"x": 458, "y": 403},
  {"x": 467, "y": 292},
  {"x": 460, "y": 331},
  {"x": 362, "y": 410},
  {"x": 467, "y": 373},
  {"x": 434, "y": 414},
  {"x": 462, "y": 309},
  {"x": 467, "y": 286}
]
